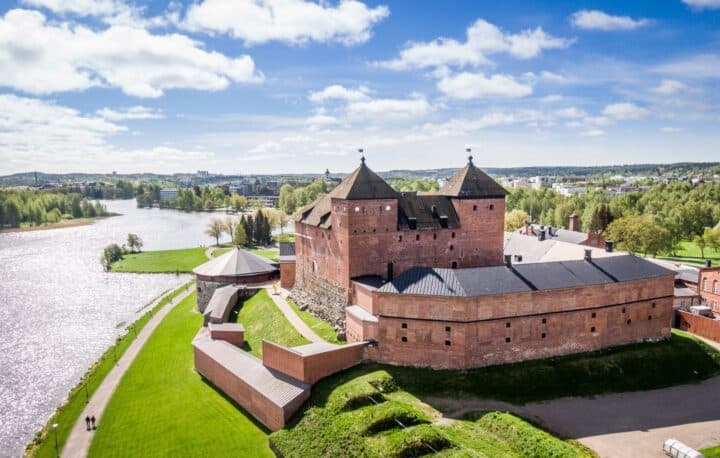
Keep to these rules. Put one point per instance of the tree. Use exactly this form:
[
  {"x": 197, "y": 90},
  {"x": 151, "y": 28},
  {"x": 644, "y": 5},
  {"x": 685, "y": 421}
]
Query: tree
[
  {"x": 277, "y": 218},
  {"x": 248, "y": 224},
  {"x": 215, "y": 229},
  {"x": 515, "y": 220},
  {"x": 230, "y": 224},
  {"x": 134, "y": 242},
  {"x": 701, "y": 243},
  {"x": 112, "y": 253},
  {"x": 240, "y": 237},
  {"x": 712, "y": 238},
  {"x": 640, "y": 234}
]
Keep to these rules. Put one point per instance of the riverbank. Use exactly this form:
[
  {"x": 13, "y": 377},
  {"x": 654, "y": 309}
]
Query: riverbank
[
  {"x": 59, "y": 225},
  {"x": 43, "y": 444}
]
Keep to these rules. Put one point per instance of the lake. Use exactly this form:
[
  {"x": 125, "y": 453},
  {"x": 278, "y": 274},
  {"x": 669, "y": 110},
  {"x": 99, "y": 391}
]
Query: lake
[{"x": 59, "y": 310}]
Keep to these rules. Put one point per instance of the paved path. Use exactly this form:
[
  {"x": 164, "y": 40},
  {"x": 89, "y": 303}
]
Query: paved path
[
  {"x": 78, "y": 442},
  {"x": 620, "y": 425},
  {"x": 292, "y": 317}
]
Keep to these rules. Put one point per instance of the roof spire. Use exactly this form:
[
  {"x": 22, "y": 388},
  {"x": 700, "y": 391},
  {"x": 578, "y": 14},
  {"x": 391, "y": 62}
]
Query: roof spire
[
  {"x": 362, "y": 156},
  {"x": 469, "y": 150}
]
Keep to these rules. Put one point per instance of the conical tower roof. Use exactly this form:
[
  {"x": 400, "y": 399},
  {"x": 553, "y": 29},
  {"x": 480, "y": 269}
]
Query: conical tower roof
[
  {"x": 234, "y": 263},
  {"x": 472, "y": 183},
  {"x": 363, "y": 183}
]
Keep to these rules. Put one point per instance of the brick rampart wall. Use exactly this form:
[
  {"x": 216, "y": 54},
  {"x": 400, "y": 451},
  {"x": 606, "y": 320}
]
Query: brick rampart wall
[
  {"x": 311, "y": 368},
  {"x": 700, "y": 325},
  {"x": 287, "y": 274}
]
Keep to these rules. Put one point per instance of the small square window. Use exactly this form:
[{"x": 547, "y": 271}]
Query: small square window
[
  {"x": 629, "y": 321},
  {"x": 649, "y": 317},
  {"x": 507, "y": 339},
  {"x": 474, "y": 207},
  {"x": 404, "y": 339},
  {"x": 452, "y": 235},
  {"x": 653, "y": 305},
  {"x": 447, "y": 328},
  {"x": 447, "y": 343},
  {"x": 492, "y": 207},
  {"x": 434, "y": 236},
  {"x": 400, "y": 238},
  {"x": 451, "y": 247},
  {"x": 594, "y": 315},
  {"x": 507, "y": 325},
  {"x": 592, "y": 329},
  {"x": 623, "y": 310},
  {"x": 544, "y": 320},
  {"x": 542, "y": 335},
  {"x": 403, "y": 325},
  {"x": 417, "y": 237}
]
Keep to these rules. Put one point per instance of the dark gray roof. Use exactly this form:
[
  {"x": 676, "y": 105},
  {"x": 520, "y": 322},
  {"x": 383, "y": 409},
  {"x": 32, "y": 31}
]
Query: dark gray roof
[
  {"x": 481, "y": 281},
  {"x": 371, "y": 281},
  {"x": 473, "y": 183},
  {"x": 563, "y": 235},
  {"x": 362, "y": 184},
  {"x": 287, "y": 252},
  {"x": 426, "y": 211}
]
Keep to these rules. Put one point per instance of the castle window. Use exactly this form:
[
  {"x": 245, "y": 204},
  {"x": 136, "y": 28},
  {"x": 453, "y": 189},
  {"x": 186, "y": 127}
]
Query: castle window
[
  {"x": 492, "y": 207},
  {"x": 417, "y": 237},
  {"x": 447, "y": 328},
  {"x": 404, "y": 339},
  {"x": 454, "y": 265},
  {"x": 629, "y": 321},
  {"x": 507, "y": 325},
  {"x": 507, "y": 339},
  {"x": 373, "y": 229},
  {"x": 434, "y": 236},
  {"x": 544, "y": 320},
  {"x": 354, "y": 231},
  {"x": 451, "y": 247},
  {"x": 474, "y": 207},
  {"x": 452, "y": 235},
  {"x": 199, "y": 289},
  {"x": 592, "y": 329},
  {"x": 623, "y": 310},
  {"x": 649, "y": 317},
  {"x": 542, "y": 335},
  {"x": 403, "y": 325},
  {"x": 653, "y": 305},
  {"x": 447, "y": 343},
  {"x": 400, "y": 238},
  {"x": 594, "y": 315}
]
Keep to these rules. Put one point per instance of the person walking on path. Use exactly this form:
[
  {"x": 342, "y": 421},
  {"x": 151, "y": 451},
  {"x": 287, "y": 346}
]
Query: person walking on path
[
  {"x": 92, "y": 420},
  {"x": 87, "y": 422}
]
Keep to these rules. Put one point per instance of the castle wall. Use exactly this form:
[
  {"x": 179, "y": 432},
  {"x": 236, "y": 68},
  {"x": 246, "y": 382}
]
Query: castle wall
[
  {"x": 205, "y": 288},
  {"x": 287, "y": 274}
]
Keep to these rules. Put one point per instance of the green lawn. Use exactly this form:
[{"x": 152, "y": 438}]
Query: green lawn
[
  {"x": 165, "y": 261},
  {"x": 272, "y": 254},
  {"x": 163, "y": 408},
  {"x": 711, "y": 452},
  {"x": 341, "y": 419},
  {"x": 689, "y": 253},
  {"x": 43, "y": 445},
  {"x": 320, "y": 326},
  {"x": 222, "y": 250},
  {"x": 263, "y": 320}
]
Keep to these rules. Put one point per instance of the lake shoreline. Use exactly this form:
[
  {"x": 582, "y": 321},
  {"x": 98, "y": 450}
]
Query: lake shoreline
[{"x": 59, "y": 225}]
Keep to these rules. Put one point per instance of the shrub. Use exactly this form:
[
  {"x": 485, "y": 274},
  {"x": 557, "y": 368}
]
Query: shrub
[{"x": 111, "y": 253}]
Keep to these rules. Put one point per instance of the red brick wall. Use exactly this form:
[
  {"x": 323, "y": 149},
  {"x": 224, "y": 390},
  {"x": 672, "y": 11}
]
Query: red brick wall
[
  {"x": 709, "y": 287},
  {"x": 287, "y": 274},
  {"x": 700, "y": 325},
  {"x": 479, "y": 327},
  {"x": 311, "y": 368},
  {"x": 236, "y": 338}
]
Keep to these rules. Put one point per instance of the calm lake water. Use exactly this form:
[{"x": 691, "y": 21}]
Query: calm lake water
[{"x": 59, "y": 310}]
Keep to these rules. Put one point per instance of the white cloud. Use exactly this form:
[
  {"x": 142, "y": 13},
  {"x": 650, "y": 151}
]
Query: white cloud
[
  {"x": 703, "y": 4},
  {"x": 482, "y": 39},
  {"x": 41, "y": 58},
  {"x": 598, "y": 20},
  {"x": 291, "y": 21},
  {"x": 131, "y": 113},
  {"x": 670, "y": 130},
  {"x": 699, "y": 66},
  {"x": 466, "y": 86},
  {"x": 593, "y": 133},
  {"x": 339, "y": 92},
  {"x": 570, "y": 112},
  {"x": 551, "y": 98},
  {"x": 464, "y": 126},
  {"x": 625, "y": 111},
  {"x": 669, "y": 87},
  {"x": 389, "y": 108}
]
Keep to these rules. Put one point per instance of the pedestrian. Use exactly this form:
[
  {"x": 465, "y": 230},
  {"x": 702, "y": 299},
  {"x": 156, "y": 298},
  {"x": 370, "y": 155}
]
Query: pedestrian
[
  {"x": 87, "y": 422},
  {"x": 92, "y": 419}
]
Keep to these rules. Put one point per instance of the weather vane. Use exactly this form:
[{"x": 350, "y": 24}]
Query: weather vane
[{"x": 362, "y": 155}]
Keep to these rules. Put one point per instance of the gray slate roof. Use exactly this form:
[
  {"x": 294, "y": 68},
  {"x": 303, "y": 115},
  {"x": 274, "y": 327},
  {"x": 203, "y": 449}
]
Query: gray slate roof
[
  {"x": 234, "y": 263},
  {"x": 563, "y": 235},
  {"x": 481, "y": 281},
  {"x": 287, "y": 251}
]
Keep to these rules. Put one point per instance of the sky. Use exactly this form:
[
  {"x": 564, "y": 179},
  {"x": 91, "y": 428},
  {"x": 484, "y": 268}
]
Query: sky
[{"x": 295, "y": 86}]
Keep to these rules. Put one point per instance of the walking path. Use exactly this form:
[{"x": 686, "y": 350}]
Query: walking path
[
  {"x": 620, "y": 425},
  {"x": 290, "y": 314},
  {"x": 78, "y": 443}
]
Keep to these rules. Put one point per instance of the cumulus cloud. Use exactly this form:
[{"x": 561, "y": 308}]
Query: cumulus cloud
[
  {"x": 131, "y": 113},
  {"x": 699, "y": 66},
  {"x": 291, "y": 21},
  {"x": 39, "y": 57},
  {"x": 116, "y": 12},
  {"x": 598, "y": 20},
  {"x": 625, "y": 111},
  {"x": 389, "y": 108},
  {"x": 482, "y": 39},
  {"x": 703, "y": 4},
  {"x": 466, "y": 86},
  {"x": 669, "y": 87},
  {"x": 593, "y": 133},
  {"x": 570, "y": 112},
  {"x": 551, "y": 98},
  {"x": 339, "y": 92}
]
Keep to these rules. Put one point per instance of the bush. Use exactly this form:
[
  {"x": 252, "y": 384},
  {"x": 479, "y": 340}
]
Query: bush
[{"x": 112, "y": 253}]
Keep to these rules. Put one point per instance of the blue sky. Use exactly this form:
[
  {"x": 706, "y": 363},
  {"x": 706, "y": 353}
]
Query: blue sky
[{"x": 261, "y": 86}]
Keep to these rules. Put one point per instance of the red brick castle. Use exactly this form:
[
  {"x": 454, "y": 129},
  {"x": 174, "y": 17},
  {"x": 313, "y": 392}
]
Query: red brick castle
[{"x": 422, "y": 276}]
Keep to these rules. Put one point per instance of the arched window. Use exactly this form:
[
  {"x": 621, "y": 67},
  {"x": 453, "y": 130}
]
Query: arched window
[{"x": 715, "y": 287}]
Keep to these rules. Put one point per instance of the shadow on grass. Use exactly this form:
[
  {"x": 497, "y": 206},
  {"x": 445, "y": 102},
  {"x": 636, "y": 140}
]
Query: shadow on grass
[{"x": 247, "y": 414}]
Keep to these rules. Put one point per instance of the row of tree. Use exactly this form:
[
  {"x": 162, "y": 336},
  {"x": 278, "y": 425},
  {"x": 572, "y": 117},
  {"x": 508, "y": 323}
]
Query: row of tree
[
  {"x": 39, "y": 207},
  {"x": 293, "y": 197},
  {"x": 248, "y": 229}
]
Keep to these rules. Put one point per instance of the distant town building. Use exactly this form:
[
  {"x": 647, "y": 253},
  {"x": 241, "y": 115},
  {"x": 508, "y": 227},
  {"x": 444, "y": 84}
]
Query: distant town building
[
  {"x": 168, "y": 194},
  {"x": 540, "y": 182}
]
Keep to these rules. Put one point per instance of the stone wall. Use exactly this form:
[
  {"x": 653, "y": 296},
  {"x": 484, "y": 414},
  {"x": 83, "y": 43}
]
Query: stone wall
[
  {"x": 205, "y": 290},
  {"x": 320, "y": 296}
]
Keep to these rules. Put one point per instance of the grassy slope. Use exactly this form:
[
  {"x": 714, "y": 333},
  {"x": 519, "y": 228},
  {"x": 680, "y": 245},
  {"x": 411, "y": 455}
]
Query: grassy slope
[
  {"x": 263, "y": 320},
  {"x": 168, "y": 261},
  {"x": 340, "y": 420},
  {"x": 320, "y": 326},
  {"x": 163, "y": 408},
  {"x": 43, "y": 445},
  {"x": 689, "y": 253},
  {"x": 711, "y": 452},
  {"x": 271, "y": 254}
]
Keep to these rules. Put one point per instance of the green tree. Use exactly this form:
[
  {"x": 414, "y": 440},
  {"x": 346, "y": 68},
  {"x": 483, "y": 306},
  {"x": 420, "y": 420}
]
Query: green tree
[
  {"x": 112, "y": 253},
  {"x": 240, "y": 237},
  {"x": 516, "y": 219},
  {"x": 215, "y": 229},
  {"x": 134, "y": 242},
  {"x": 700, "y": 242}
]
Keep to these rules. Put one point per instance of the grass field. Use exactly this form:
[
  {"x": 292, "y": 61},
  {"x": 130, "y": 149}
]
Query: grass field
[
  {"x": 356, "y": 415},
  {"x": 44, "y": 443},
  {"x": 320, "y": 326},
  {"x": 263, "y": 320},
  {"x": 689, "y": 253},
  {"x": 163, "y": 408},
  {"x": 165, "y": 261},
  {"x": 272, "y": 254},
  {"x": 711, "y": 452}
]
